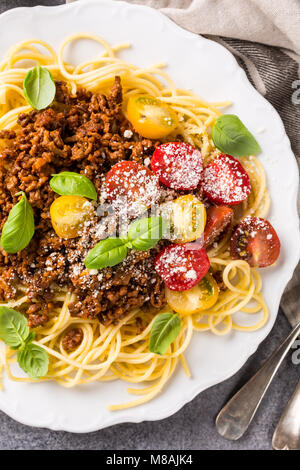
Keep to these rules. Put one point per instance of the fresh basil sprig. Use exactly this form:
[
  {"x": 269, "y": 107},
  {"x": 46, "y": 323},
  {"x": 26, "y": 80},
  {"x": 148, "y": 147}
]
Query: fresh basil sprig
[
  {"x": 39, "y": 87},
  {"x": 69, "y": 183},
  {"x": 33, "y": 360},
  {"x": 108, "y": 252},
  {"x": 143, "y": 234},
  {"x": 18, "y": 230},
  {"x": 15, "y": 333},
  {"x": 231, "y": 136},
  {"x": 164, "y": 330},
  {"x": 14, "y": 330}
]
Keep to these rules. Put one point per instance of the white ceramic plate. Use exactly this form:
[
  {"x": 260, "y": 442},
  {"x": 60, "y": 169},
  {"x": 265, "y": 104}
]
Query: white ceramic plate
[{"x": 211, "y": 71}]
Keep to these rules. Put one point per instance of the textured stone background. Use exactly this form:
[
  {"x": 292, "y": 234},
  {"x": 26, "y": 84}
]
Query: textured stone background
[{"x": 192, "y": 427}]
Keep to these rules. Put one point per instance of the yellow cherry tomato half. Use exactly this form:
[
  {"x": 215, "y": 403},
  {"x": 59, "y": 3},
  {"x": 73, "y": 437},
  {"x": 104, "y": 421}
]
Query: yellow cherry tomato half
[
  {"x": 68, "y": 214},
  {"x": 197, "y": 299},
  {"x": 150, "y": 117},
  {"x": 187, "y": 217}
]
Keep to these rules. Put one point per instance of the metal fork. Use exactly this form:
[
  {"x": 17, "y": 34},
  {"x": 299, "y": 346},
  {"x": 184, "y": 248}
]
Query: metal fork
[
  {"x": 287, "y": 432},
  {"x": 234, "y": 419}
]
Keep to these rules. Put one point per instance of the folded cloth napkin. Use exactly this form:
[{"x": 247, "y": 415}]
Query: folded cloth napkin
[{"x": 264, "y": 36}]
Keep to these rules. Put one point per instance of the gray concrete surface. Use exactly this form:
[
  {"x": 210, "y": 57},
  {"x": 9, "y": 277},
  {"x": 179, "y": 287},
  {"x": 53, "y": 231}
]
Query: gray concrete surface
[{"x": 193, "y": 426}]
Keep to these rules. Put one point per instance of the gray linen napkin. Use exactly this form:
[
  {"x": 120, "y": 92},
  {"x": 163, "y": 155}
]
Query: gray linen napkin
[{"x": 271, "y": 63}]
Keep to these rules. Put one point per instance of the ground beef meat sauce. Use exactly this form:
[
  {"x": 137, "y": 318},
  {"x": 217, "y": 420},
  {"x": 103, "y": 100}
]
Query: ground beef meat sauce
[
  {"x": 72, "y": 339},
  {"x": 87, "y": 134}
]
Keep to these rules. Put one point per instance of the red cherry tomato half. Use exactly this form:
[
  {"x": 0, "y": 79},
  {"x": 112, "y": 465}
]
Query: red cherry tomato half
[
  {"x": 131, "y": 187},
  {"x": 225, "y": 181},
  {"x": 218, "y": 217},
  {"x": 256, "y": 242},
  {"x": 177, "y": 165},
  {"x": 182, "y": 266}
]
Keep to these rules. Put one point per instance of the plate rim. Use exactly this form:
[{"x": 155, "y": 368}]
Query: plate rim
[{"x": 246, "y": 353}]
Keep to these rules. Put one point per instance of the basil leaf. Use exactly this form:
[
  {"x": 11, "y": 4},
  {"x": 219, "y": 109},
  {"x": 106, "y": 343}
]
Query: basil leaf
[
  {"x": 33, "y": 360},
  {"x": 231, "y": 136},
  {"x": 68, "y": 183},
  {"x": 108, "y": 252},
  {"x": 14, "y": 330},
  {"x": 39, "y": 87},
  {"x": 145, "y": 233},
  {"x": 164, "y": 330},
  {"x": 18, "y": 230}
]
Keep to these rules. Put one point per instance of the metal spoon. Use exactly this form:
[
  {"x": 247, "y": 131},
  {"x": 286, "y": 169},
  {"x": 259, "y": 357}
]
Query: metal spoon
[{"x": 234, "y": 419}]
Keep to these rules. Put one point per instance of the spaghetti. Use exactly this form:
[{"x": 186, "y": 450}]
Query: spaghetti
[{"x": 119, "y": 351}]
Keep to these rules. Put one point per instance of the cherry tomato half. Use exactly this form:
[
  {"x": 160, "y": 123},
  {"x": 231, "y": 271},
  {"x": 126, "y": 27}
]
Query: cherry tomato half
[
  {"x": 200, "y": 297},
  {"x": 225, "y": 181},
  {"x": 150, "y": 117},
  {"x": 132, "y": 187},
  {"x": 218, "y": 217},
  {"x": 188, "y": 217},
  {"x": 68, "y": 214},
  {"x": 182, "y": 266},
  {"x": 177, "y": 165},
  {"x": 255, "y": 241}
]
